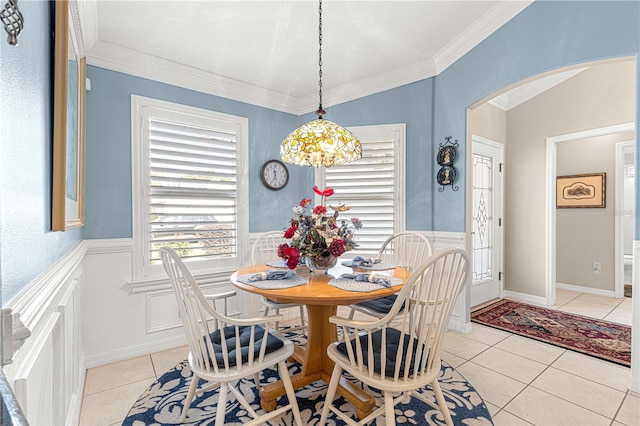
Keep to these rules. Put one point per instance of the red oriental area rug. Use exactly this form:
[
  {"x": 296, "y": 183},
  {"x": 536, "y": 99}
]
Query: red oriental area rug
[{"x": 598, "y": 338}]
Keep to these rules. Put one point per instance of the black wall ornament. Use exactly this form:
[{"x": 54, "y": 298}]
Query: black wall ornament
[{"x": 446, "y": 156}]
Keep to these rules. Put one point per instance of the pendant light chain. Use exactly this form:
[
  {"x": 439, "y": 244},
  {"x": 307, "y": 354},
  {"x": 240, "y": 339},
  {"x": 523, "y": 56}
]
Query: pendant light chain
[
  {"x": 320, "y": 111},
  {"x": 320, "y": 142}
]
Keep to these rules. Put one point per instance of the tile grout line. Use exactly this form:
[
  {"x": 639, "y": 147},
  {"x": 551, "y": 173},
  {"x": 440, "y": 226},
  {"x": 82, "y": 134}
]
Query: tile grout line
[
  {"x": 626, "y": 395},
  {"x": 591, "y": 380},
  {"x": 573, "y": 403}
]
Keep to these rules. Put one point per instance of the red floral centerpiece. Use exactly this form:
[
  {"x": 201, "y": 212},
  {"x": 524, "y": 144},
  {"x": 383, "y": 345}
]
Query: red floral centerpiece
[{"x": 316, "y": 237}]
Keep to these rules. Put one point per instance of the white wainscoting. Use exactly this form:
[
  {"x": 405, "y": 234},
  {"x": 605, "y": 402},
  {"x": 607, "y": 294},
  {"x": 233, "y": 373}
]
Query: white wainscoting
[
  {"x": 47, "y": 372},
  {"x": 86, "y": 311},
  {"x": 123, "y": 319},
  {"x": 460, "y": 318}
]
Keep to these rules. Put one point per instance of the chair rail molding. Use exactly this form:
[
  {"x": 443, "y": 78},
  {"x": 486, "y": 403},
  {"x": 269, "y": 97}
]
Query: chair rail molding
[
  {"x": 47, "y": 372},
  {"x": 111, "y": 245},
  {"x": 33, "y": 301}
]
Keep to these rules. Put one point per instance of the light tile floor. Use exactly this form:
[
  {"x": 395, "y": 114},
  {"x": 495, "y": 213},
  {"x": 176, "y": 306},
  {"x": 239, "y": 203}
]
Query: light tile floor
[{"x": 522, "y": 381}]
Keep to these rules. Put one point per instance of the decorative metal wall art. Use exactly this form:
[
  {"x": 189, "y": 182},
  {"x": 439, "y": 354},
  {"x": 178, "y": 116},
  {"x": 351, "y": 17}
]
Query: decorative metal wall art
[
  {"x": 446, "y": 156},
  {"x": 12, "y": 20}
]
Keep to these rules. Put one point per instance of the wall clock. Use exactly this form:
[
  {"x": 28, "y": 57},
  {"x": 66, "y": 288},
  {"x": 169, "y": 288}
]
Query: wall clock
[{"x": 274, "y": 174}]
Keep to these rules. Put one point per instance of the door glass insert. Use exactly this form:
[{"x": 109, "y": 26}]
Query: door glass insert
[{"x": 482, "y": 191}]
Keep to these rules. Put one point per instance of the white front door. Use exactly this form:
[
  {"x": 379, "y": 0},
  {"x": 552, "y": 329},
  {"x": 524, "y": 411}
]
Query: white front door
[{"x": 486, "y": 234}]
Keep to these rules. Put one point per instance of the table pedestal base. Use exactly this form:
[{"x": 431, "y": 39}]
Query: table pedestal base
[{"x": 316, "y": 365}]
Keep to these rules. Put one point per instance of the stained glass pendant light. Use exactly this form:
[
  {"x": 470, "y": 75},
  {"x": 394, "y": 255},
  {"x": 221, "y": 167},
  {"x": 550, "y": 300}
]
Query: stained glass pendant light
[{"x": 320, "y": 142}]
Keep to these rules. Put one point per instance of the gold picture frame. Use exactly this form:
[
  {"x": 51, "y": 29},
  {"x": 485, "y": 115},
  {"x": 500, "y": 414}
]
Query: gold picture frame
[
  {"x": 581, "y": 191},
  {"x": 69, "y": 119}
]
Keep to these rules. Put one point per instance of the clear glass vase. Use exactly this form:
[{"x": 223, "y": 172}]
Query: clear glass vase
[{"x": 321, "y": 263}]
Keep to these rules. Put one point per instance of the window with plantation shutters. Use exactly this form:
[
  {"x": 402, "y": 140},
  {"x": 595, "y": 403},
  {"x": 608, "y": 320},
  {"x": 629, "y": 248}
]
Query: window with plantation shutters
[
  {"x": 190, "y": 183},
  {"x": 373, "y": 186}
]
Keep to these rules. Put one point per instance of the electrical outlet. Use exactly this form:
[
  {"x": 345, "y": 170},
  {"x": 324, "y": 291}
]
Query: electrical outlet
[{"x": 597, "y": 266}]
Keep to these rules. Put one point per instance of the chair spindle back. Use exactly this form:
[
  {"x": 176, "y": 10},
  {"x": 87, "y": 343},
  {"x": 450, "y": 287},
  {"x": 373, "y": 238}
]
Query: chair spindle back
[
  {"x": 428, "y": 296},
  {"x": 265, "y": 248},
  {"x": 200, "y": 320},
  {"x": 406, "y": 249}
]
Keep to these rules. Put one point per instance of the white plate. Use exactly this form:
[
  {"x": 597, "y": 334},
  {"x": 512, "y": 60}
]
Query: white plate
[
  {"x": 272, "y": 284},
  {"x": 374, "y": 267},
  {"x": 349, "y": 284}
]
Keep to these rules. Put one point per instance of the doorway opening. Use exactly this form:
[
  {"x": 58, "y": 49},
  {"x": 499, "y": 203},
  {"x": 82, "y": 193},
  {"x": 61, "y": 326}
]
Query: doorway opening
[{"x": 552, "y": 216}]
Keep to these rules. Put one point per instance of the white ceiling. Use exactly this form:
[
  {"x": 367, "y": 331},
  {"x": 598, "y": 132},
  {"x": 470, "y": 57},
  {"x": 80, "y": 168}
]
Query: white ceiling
[{"x": 266, "y": 52}]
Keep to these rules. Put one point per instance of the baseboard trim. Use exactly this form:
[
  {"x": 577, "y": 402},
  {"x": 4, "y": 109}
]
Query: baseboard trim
[
  {"x": 134, "y": 351},
  {"x": 458, "y": 323},
  {"x": 523, "y": 297},
  {"x": 589, "y": 290}
]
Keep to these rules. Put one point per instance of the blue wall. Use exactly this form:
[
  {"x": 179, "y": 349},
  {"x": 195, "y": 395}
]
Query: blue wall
[
  {"x": 545, "y": 36},
  {"x": 410, "y": 104},
  {"x": 108, "y": 187},
  {"x": 27, "y": 245},
  {"x": 108, "y": 198}
]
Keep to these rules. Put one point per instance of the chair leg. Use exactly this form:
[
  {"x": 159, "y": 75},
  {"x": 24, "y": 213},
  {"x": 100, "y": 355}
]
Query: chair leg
[
  {"x": 331, "y": 393},
  {"x": 222, "y": 404},
  {"x": 441, "y": 402},
  {"x": 187, "y": 401},
  {"x": 302, "y": 316},
  {"x": 277, "y": 324},
  {"x": 388, "y": 408},
  {"x": 291, "y": 394}
]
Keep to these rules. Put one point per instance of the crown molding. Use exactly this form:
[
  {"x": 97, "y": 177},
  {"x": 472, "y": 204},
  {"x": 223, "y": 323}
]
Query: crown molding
[
  {"x": 117, "y": 58},
  {"x": 88, "y": 15},
  {"x": 128, "y": 61},
  {"x": 76, "y": 25},
  {"x": 496, "y": 17},
  {"x": 368, "y": 86}
]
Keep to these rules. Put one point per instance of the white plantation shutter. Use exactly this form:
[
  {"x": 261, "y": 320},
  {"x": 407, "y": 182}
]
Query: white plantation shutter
[
  {"x": 190, "y": 184},
  {"x": 373, "y": 186}
]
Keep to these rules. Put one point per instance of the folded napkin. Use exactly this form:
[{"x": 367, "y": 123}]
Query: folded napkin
[
  {"x": 360, "y": 261},
  {"x": 382, "y": 280},
  {"x": 273, "y": 274}
]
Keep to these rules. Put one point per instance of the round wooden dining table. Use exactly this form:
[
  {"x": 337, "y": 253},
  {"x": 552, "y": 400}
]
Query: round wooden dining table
[{"x": 322, "y": 301}]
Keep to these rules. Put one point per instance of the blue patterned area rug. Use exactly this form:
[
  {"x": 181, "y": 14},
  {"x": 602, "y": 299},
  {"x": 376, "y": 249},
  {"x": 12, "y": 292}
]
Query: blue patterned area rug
[{"x": 161, "y": 403}]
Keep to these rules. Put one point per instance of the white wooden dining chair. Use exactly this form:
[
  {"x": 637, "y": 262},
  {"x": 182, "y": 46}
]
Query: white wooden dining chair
[
  {"x": 405, "y": 249},
  {"x": 403, "y": 358},
  {"x": 265, "y": 249},
  {"x": 224, "y": 349}
]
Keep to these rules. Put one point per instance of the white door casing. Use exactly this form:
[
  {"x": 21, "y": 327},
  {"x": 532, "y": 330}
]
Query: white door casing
[
  {"x": 487, "y": 220},
  {"x": 624, "y": 214}
]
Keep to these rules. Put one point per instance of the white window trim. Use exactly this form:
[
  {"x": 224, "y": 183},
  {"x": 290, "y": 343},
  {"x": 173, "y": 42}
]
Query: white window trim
[
  {"x": 138, "y": 200},
  {"x": 396, "y": 132}
]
